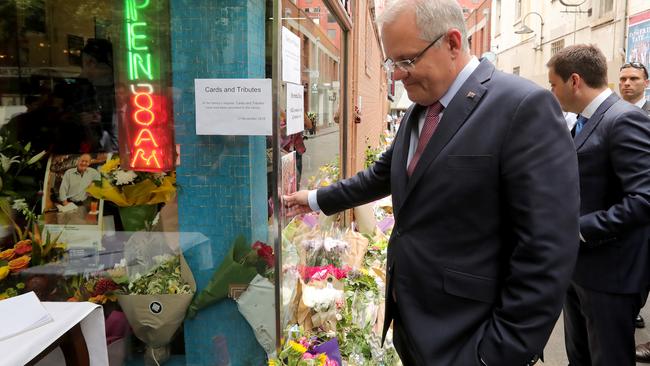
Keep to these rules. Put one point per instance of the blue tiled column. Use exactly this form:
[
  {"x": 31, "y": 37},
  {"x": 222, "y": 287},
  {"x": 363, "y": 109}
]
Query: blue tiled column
[{"x": 222, "y": 179}]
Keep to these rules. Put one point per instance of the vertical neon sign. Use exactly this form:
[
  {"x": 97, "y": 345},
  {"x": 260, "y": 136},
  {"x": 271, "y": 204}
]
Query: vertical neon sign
[{"x": 147, "y": 144}]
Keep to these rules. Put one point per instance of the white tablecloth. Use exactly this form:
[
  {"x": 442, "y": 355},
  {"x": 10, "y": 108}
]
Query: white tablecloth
[{"x": 24, "y": 347}]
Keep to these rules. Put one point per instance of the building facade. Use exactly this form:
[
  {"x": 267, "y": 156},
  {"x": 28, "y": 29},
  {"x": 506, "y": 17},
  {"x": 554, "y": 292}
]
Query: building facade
[{"x": 527, "y": 33}]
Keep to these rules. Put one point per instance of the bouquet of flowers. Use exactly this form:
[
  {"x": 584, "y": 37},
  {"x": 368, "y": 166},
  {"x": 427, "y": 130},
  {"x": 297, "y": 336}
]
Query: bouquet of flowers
[
  {"x": 241, "y": 264},
  {"x": 137, "y": 194},
  {"x": 155, "y": 290},
  {"x": 98, "y": 290},
  {"x": 308, "y": 352},
  {"x": 322, "y": 251},
  {"x": 29, "y": 249}
]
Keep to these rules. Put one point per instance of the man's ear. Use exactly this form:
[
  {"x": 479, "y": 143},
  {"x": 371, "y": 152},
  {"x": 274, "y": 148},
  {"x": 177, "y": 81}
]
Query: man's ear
[
  {"x": 454, "y": 40},
  {"x": 576, "y": 80}
]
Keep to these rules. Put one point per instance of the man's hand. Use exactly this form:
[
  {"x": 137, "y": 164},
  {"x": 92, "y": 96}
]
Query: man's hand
[{"x": 297, "y": 203}]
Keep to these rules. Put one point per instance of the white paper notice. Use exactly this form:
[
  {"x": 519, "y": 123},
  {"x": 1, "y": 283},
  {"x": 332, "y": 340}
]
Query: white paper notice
[
  {"x": 233, "y": 106},
  {"x": 22, "y": 313},
  {"x": 295, "y": 108},
  {"x": 290, "y": 57}
]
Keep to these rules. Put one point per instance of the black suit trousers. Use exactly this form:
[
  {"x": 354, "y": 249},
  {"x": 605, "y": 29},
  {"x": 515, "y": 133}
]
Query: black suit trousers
[{"x": 599, "y": 327}]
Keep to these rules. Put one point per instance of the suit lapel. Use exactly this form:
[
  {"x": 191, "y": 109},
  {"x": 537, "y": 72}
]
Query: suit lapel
[
  {"x": 595, "y": 119},
  {"x": 454, "y": 116}
]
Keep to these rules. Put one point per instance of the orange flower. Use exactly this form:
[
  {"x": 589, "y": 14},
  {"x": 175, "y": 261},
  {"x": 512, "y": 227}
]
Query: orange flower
[
  {"x": 72, "y": 299},
  {"x": 7, "y": 254},
  {"x": 23, "y": 247},
  {"x": 102, "y": 299},
  {"x": 4, "y": 272},
  {"x": 19, "y": 263}
]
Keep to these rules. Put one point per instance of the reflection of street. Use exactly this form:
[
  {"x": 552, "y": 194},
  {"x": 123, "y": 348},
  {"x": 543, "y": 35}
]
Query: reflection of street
[{"x": 321, "y": 149}]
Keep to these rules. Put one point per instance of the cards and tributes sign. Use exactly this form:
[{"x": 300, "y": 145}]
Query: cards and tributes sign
[{"x": 233, "y": 106}]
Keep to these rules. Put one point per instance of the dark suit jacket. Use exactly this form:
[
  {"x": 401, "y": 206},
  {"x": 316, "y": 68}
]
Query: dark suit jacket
[
  {"x": 613, "y": 150},
  {"x": 646, "y": 107},
  {"x": 485, "y": 236}
]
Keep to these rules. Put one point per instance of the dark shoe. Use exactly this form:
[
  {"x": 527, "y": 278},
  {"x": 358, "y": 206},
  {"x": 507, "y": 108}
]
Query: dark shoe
[
  {"x": 639, "y": 322},
  {"x": 643, "y": 352}
]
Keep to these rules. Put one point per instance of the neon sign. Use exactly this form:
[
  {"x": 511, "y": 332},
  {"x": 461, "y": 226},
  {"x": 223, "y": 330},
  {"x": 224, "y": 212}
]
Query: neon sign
[{"x": 146, "y": 144}]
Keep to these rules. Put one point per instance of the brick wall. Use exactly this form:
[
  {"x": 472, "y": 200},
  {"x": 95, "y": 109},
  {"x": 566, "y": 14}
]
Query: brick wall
[
  {"x": 369, "y": 84},
  {"x": 218, "y": 197}
]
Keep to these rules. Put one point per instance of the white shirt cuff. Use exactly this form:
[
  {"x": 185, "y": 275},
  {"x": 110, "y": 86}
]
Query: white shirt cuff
[
  {"x": 313, "y": 202},
  {"x": 582, "y": 238}
]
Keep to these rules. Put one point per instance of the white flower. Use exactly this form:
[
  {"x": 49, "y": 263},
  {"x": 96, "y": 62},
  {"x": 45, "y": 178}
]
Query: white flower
[
  {"x": 321, "y": 299},
  {"x": 6, "y": 162},
  {"x": 312, "y": 244},
  {"x": 334, "y": 244},
  {"x": 19, "y": 204},
  {"x": 123, "y": 177}
]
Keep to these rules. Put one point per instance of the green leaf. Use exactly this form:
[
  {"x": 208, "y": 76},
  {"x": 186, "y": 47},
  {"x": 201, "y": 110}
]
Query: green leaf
[
  {"x": 3, "y": 263},
  {"x": 28, "y": 146},
  {"x": 36, "y": 157}
]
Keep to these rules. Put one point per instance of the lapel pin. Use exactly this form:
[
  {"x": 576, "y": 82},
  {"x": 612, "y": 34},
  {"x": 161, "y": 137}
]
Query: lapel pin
[{"x": 471, "y": 95}]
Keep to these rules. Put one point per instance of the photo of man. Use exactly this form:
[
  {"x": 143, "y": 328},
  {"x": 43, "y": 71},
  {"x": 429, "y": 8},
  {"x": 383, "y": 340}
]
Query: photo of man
[
  {"x": 76, "y": 180},
  {"x": 65, "y": 200}
]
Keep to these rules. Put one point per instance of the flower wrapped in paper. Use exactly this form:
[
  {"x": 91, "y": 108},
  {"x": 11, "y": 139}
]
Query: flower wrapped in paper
[
  {"x": 137, "y": 194},
  {"x": 257, "y": 306},
  {"x": 240, "y": 265},
  {"x": 154, "y": 296},
  {"x": 321, "y": 301}
]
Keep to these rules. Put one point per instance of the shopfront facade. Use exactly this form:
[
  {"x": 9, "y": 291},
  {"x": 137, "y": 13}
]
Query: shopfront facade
[{"x": 109, "y": 90}]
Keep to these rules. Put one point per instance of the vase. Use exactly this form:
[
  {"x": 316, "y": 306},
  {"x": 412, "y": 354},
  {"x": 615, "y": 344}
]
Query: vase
[{"x": 137, "y": 218}]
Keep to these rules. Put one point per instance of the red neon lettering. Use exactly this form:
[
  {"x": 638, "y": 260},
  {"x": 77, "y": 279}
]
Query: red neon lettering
[
  {"x": 140, "y": 153},
  {"x": 143, "y": 109},
  {"x": 140, "y": 139}
]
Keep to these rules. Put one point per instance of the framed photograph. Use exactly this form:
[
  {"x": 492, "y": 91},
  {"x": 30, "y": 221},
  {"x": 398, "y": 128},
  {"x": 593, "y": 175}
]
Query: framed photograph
[{"x": 67, "y": 209}]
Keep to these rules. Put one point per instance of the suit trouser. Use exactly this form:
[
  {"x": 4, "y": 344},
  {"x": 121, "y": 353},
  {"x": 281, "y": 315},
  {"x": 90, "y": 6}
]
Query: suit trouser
[
  {"x": 403, "y": 343},
  {"x": 599, "y": 327}
]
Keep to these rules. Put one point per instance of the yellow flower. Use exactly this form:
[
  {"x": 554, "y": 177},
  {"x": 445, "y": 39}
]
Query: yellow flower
[
  {"x": 272, "y": 362},
  {"x": 322, "y": 358},
  {"x": 297, "y": 347},
  {"x": 7, "y": 254},
  {"x": 4, "y": 272},
  {"x": 4, "y": 296},
  {"x": 110, "y": 166}
]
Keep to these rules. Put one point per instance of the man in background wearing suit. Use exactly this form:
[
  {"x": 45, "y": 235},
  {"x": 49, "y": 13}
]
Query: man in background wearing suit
[
  {"x": 612, "y": 140},
  {"x": 484, "y": 183},
  {"x": 632, "y": 83}
]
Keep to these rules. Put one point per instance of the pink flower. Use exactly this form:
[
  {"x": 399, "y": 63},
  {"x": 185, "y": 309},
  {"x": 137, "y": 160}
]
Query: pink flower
[{"x": 307, "y": 356}]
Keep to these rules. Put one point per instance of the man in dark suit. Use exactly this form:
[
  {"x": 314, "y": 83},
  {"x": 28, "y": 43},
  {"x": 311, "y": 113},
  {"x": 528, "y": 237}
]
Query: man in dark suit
[
  {"x": 632, "y": 83},
  {"x": 612, "y": 139},
  {"x": 485, "y": 197}
]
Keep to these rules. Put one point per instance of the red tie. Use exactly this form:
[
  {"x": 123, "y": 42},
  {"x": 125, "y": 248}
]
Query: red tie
[{"x": 430, "y": 125}]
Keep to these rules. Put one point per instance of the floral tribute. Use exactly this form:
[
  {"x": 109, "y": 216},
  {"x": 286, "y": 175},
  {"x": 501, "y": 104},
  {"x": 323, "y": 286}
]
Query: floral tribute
[
  {"x": 129, "y": 188},
  {"x": 305, "y": 352},
  {"x": 334, "y": 283},
  {"x": 239, "y": 267}
]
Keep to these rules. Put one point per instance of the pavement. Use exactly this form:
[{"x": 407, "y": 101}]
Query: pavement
[{"x": 555, "y": 355}]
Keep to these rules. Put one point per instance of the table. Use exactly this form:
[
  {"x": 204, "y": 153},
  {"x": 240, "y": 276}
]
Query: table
[{"x": 74, "y": 323}]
